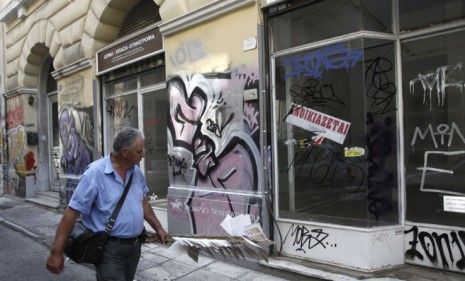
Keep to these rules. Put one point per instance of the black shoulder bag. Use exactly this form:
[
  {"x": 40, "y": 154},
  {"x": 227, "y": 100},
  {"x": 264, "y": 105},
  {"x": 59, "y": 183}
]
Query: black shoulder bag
[{"x": 84, "y": 246}]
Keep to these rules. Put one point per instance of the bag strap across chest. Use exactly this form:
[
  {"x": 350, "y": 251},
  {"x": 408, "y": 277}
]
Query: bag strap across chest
[{"x": 112, "y": 219}]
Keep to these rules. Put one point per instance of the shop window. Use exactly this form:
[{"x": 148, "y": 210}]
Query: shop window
[
  {"x": 135, "y": 96},
  {"x": 156, "y": 149},
  {"x": 121, "y": 86},
  {"x": 335, "y": 112},
  {"x": 120, "y": 112},
  {"x": 152, "y": 77},
  {"x": 415, "y": 14},
  {"x": 434, "y": 128},
  {"x": 325, "y": 19}
]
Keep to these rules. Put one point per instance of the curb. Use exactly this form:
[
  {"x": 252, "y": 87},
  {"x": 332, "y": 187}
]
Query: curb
[
  {"x": 33, "y": 236},
  {"x": 23, "y": 231}
]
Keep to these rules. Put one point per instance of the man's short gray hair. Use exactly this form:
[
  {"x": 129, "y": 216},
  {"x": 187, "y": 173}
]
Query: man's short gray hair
[{"x": 125, "y": 138}]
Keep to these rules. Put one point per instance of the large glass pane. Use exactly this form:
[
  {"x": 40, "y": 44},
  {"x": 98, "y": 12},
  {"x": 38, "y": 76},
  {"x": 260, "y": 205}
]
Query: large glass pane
[
  {"x": 120, "y": 86},
  {"x": 335, "y": 112},
  {"x": 120, "y": 112},
  {"x": 415, "y": 14},
  {"x": 381, "y": 132},
  {"x": 156, "y": 165},
  {"x": 326, "y": 19},
  {"x": 434, "y": 123},
  {"x": 152, "y": 77}
]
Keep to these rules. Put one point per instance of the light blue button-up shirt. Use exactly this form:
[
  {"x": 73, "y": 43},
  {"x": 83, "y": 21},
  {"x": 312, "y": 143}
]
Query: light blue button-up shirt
[{"x": 98, "y": 193}]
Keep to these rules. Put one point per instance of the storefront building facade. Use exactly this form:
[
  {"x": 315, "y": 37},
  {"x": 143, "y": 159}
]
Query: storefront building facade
[
  {"x": 214, "y": 137},
  {"x": 340, "y": 121},
  {"x": 55, "y": 93},
  {"x": 366, "y": 101}
]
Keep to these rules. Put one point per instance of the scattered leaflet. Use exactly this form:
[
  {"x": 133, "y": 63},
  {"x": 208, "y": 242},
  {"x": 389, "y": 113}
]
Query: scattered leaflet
[
  {"x": 245, "y": 240},
  {"x": 255, "y": 233},
  {"x": 238, "y": 247}
]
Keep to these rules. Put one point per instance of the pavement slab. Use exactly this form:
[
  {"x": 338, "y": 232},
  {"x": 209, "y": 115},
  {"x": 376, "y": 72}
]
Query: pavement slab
[
  {"x": 225, "y": 269},
  {"x": 158, "y": 262},
  {"x": 204, "y": 275},
  {"x": 149, "y": 259},
  {"x": 168, "y": 270}
]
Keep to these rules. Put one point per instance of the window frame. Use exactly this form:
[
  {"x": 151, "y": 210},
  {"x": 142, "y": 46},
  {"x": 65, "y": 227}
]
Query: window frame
[
  {"x": 139, "y": 92},
  {"x": 398, "y": 38},
  {"x": 274, "y": 137}
]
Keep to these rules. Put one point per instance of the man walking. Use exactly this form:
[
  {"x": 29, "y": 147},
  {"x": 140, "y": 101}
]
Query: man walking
[{"x": 96, "y": 196}]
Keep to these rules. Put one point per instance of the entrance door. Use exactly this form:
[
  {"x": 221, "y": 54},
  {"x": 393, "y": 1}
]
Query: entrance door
[
  {"x": 53, "y": 140},
  {"x": 155, "y": 112}
]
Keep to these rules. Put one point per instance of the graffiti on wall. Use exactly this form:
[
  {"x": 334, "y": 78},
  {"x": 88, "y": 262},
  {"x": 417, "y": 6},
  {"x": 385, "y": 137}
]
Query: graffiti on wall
[
  {"x": 17, "y": 148},
  {"x": 319, "y": 159},
  {"x": 313, "y": 63},
  {"x": 3, "y": 154},
  {"x": 76, "y": 135},
  {"x": 211, "y": 146},
  {"x": 380, "y": 91},
  {"x": 14, "y": 112},
  {"x": 120, "y": 112},
  {"x": 187, "y": 53},
  {"x": 20, "y": 159},
  {"x": 435, "y": 247},
  {"x": 440, "y": 144},
  {"x": 437, "y": 154},
  {"x": 380, "y": 86},
  {"x": 434, "y": 170},
  {"x": 437, "y": 82},
  {"x": 304, "y": 239}
]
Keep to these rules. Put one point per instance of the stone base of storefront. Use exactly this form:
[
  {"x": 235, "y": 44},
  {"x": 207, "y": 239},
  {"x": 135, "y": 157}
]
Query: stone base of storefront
[{"x": 367, "y": 250}]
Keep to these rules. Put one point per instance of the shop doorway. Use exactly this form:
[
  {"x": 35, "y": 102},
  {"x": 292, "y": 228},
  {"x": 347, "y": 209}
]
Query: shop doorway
[
  {"x": 53, "y": 141},
  {"x": 49, "y": 145}
]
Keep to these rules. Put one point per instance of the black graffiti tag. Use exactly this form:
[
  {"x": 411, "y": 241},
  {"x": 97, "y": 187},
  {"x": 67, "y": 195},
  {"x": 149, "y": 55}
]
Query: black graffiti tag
[
  {"x": 119, "y": 108},
  {"x": 305, "y": 238},
  {"x": 313, "y": 94},
  {"x": 217, "y": 128},
  {"x": 379, "y": 88},
  {"x": 178, "y": 165},
  {"x": 323, "y": 165},
  {"x": 433, "y": 244}
]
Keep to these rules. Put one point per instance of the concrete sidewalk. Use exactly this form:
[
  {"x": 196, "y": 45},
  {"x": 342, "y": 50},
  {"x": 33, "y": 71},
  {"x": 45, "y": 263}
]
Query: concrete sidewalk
[{"x": 159, "y": 263}]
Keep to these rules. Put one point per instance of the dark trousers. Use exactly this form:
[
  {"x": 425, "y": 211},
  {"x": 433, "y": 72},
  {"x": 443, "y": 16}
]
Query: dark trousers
[{"x": 120, "y": 259}]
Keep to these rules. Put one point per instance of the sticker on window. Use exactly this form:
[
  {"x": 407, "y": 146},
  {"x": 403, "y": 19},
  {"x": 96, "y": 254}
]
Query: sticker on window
[
  {"x": 354, "y": 151},
  {"x": 317, "y": 122}
]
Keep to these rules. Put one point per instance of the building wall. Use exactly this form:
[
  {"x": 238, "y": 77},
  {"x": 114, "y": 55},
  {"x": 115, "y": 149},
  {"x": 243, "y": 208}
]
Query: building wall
[
  {"x": 70, "y": 32},
  {"x": 76, "y": 128},
  {"x": 3, "y": 147},
  {"x": 21, "y": 157},
  {"x": 213, "y": 128}
]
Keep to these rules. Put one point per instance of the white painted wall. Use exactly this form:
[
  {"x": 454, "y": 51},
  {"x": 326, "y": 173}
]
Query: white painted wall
[{"x": 364, "y": 249}]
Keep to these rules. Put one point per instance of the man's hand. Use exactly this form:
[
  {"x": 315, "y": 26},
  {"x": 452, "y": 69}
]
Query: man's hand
[
  {"x": 162, "y": 235},
  {"x": 55, "y": 262},
  {"x": 152, "y": 219}
]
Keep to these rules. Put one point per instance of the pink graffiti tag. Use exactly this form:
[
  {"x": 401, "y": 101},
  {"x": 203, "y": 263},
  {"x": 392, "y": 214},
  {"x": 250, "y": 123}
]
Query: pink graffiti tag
[{"x": 232, "y": 168}]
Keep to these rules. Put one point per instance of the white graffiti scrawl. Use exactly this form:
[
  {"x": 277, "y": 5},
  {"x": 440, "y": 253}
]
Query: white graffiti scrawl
[
  {"x": 437, "y": 82},
  {"x": 441, "y": 132},
  {"x": 450, "y": 170}
]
